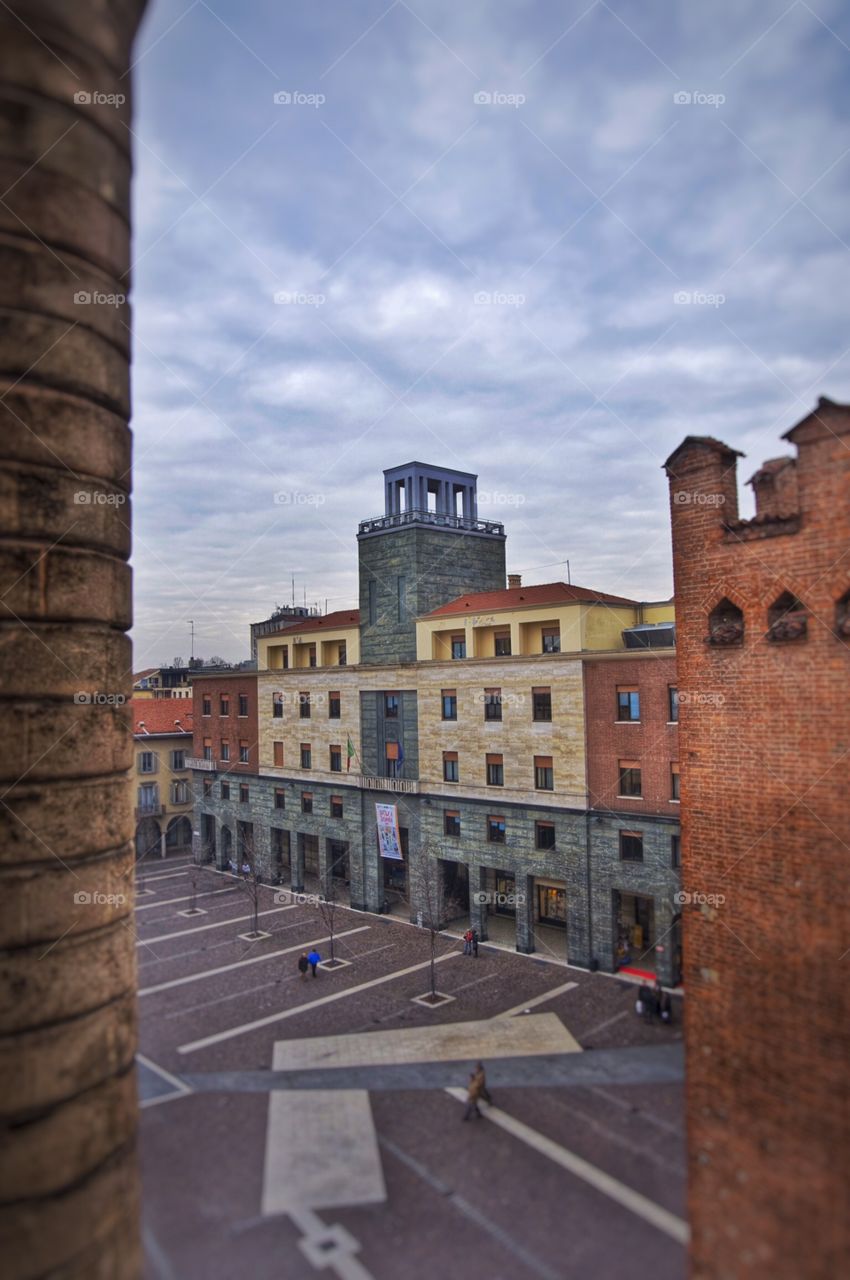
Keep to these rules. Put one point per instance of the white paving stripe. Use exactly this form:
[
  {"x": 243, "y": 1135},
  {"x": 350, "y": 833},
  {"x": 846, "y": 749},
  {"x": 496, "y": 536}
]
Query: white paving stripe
[
  {"x": 168, "y": 902},
  {"x": 636, "y": 1203},
  {"x": 536, "y": 1000},
  {"x": 164, "y": 875},
  {"x": 220, "y": 924},
  {"x": 240, "y": 964},
  {"x": 271, "y": 1018}
]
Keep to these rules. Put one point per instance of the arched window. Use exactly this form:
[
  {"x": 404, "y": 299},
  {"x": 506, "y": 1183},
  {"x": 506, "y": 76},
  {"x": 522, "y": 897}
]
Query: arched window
[
  {"x": 786, "y": 618},
  {"x": 842, "y": 616},
  {"x": 725, "y": 624}
]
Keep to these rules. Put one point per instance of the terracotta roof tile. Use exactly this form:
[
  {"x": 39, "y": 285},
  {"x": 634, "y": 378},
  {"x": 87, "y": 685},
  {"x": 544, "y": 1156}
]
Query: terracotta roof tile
[
  {"x": 555, "y": 593},
  {"x": 327, "y": 622},
  {"x": 159, "y": 714}
]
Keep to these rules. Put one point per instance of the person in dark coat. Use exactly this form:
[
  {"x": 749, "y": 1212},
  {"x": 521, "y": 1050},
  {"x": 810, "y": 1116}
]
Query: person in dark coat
[
  {"x": 645, "y": 1002},
  {"x": 313, "y": 959},
  {"x": 480, "y": 1076},
  {"x": 473, "y": 1093},
  {"x": 475, "y": 943},
  {"x": 303, "y": 964},
  {"x": 663, "y": 1003}
]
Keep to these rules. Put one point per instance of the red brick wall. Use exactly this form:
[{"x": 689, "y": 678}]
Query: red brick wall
[
  {"x": 764, "y": 759},
  {"x": 652, "y": 741},
  {"x": 232, "y": 728}
]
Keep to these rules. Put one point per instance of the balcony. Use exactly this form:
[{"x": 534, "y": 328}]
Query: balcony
[
  {"x": 149, "y": 811},
  {"x": 194, "y": 762},
  {"x": 379, "y": 524},
  {"x": 408, "y": 786}
]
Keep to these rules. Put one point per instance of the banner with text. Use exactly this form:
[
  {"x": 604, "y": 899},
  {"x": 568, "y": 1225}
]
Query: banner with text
[{"x": 389, "y": 840}]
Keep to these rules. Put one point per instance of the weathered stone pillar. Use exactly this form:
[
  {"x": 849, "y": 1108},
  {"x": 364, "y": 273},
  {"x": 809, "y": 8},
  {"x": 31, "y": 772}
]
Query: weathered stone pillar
[
  {"x": 478, "y": 901},
  {"x": 296, "y": 862},
  {"x": 68, "y": 1179},
  {"x": 524, "y": 889}
]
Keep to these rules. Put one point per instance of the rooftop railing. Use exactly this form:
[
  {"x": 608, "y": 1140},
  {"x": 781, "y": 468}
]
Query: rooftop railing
[{"x": 437, "y": 519}]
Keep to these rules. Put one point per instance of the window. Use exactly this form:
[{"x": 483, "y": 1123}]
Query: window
[
  {"x": 541, "y": 704},
  {"x": 725, "y": 624},
  {"x": 243, "y": 704},
  {"x": 672, "y": 704},
  {"x": 207, "y": 787},
  {"x": 224, "y": 752},
  {"x": 206, "y": 706},
  {"x": 373, "y": 602},
  {"x": 502, "y": 644},
  {"x": 458, "y": 646},
  {"x": 149, "y": 797},
  {"x": 342, "y": 654},
  {"x": 178, "y": 760},
  {"x": 243, "y": 793},
  {"x": 401, "y": 590},
  {"x": 544, "y": 776},
  {"x": 394, "y": 759},
  {"x": 496, "y": 830},
  {"x": 179, "y": 793},
  {"x": 675, "y": 851},
  {"x": 311, "y": 652},
  {"x": 674, "y": 782},
  {"x": 629, "y": 777},
  {"x": 279, "y": 798},
  {"x": 631, "y": 846},
  {"x": 306, "y": 801},
  {"x": 787, "y": 618},
  {"x": 306, "y": 756},
  {"x": 334, "y": 706},
  {"x": 544, "y": 835},
  {"x": 450, "y": 769},
  {"x": 224, "y": 705},
  {"x": 495, "y": 771},
  {"x": 208, "y": 748},
  {"x": 492, "y": 704},
  {"x": 628, "y": 703},
  {"x": 225, "y": 791},
  {"x": 449, "y": 704},
  {"x": 391, "y": 706},
  {"x": 336, "y": 759},
  {"x": 304, "y": 706},
  {"x": 243, "y": 753},
  {"x": 277, "y": 747},
  {"x": 277, "y": 706},
  {"x": 451, "y": 823},
  {"x": 336, "y": 806},
  {"x": 147, "y": 762},
  {"x": 551, "y": 639}
]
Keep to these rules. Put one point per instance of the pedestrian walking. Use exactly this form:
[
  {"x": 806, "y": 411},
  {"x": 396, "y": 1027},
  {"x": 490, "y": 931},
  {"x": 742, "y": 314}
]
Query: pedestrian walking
[
  {"x": 480, "y": 1076},
  {"x": 303, "y": 964},
  {"x": 473, "y": 1093},
  {"x": 313, "y": 959},
  {"x": 475, "y": 943},
  {"x": 467, "y": 943},
  {"x": 645, "y": 1003},
  {"x": 663, "y": 1003}
]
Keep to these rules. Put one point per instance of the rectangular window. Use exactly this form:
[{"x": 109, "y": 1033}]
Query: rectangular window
[
  {"x": 450, "y": 767},
  {"x": 373, "y": 602},
  {"x": 206, "y": 706},
  {"x": 179, "y": 793},
  {"x": 147, "y": 762},
  {"x": 208, "y": 749},
  {"x": 544, "y": 835},
  {"x": 336, "y": 759},
  {"x": 149, "y": 797},
  {"x": 224, "y": 753},
  {"x": 336, "y": 807},
  {"x": 306, "y": 756},
  {"x": 675, "y": 851},
  {"x": 278, "y": 754},
  {"x": 306, "y": 801},
  {"x": 243, "y": 704},
  {"x": 502, "y": 644},
  {"x": 401, "y": 592},
  {"x": 224, "y": 705},
  {"x": 277, "y": 706},
  {"x": 244, "y": 793},
  {"x": 674, "y": 782},
  {"x": 311, "y": 652},
  {"x": 391, "y": 706},
  {"x": 451, "y": 823},
  {"x": 449, "y": 704},
  {"x": 243, "y": 753},
  {"x": 541, "y": 704},
  {"x": 225, "y": 791},
  {"x": 334, "y": 706},
  {"x": 492, "y": 704},
  {"x": 342, "y": 654},
  {"x": 551, "y": 639},
  {"x": 628, "y": 703},
  {"x": 631, "y": 846},
  {"x": 672, "y": 704},
  {"x": 459, "y": 646},
  {"x": 496, "y": 830},
  {"x": 629, "y": 777},
  {"x": 207, "y": 787},
  {"x": 178, "y": 760},
  {"x": 304, "y": 706},
  {"x": 279, "y": 798},
  {"x": 544, "y": 775},
  {"x": 495, "y": 771}
]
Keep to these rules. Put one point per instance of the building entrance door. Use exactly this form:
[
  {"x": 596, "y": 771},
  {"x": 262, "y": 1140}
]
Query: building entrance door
[{"x": 634, "y": 929}]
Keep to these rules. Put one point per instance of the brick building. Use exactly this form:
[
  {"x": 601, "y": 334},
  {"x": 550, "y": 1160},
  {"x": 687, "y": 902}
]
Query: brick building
[{"x": 763, "y": 615}]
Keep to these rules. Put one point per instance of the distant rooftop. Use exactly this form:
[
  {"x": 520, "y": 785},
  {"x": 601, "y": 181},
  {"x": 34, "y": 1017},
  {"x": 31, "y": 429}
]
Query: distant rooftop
[
  {"x": 556, "y": 593},
  {"x": 158, "y": 715}
]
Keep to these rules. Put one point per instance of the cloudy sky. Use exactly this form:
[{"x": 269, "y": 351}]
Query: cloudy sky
[{"x": 539, "y": 241}]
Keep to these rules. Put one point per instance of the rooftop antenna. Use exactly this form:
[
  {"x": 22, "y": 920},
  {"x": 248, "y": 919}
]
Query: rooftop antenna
[
  {"x": 191, "y": 622},
  {"x": 569, "y": 580},
  {"x": 293, "y": 590}
]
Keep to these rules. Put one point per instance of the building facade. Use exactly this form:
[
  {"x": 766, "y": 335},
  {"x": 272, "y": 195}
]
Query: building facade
[
  {"x": 763, "y": 610},
  {"x": 163, "y": 802},
  {"x": 473, "y": 709}
]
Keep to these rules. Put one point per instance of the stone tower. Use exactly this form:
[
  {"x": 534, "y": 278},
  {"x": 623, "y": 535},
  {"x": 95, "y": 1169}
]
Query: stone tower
[{"x": 428, "y": 547}]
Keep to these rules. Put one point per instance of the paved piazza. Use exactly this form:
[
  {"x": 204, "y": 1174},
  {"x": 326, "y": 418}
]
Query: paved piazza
[{"x": 298, "y": 1127}]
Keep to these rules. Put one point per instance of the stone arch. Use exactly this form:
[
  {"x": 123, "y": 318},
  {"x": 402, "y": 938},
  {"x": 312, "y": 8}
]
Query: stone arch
[
  {"x": 148, "y": 839},
  {"x": 786, "y": 618},
  {"x": 725, "y": 624},
  {"x": 178, "y": 834}
]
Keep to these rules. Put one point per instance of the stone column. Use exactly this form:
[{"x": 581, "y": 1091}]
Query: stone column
[
  {"x": 296, "y": 862},
  {"x": 525, "y": 914},
  {"x": 478, "y": 909},
  {"x": 68, "y": 1186}
]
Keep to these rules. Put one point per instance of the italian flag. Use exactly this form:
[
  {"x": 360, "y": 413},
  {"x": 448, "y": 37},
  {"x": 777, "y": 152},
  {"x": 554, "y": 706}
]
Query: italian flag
[{"x": 349, "y": 753}]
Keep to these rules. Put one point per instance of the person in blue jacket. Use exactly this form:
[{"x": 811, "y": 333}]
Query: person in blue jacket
[{"x": 313, "y": 958}]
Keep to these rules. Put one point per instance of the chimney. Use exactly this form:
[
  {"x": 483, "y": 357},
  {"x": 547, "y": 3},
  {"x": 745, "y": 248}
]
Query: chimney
[{"x": 514, "y": 580}]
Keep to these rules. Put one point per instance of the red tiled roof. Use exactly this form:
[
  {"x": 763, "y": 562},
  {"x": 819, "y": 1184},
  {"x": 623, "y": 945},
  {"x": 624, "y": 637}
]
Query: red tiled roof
[
  {"x": 140, "y": 675},
  {"x": 159, "y": 714},
  {"x": 328, "y": 622},
  {"x": 556, "y": 593}
]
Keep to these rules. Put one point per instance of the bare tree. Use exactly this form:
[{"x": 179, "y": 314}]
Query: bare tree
[
  {"x": 247, "y": 873},
  {"x": 196, "y": 877},
  {"x": 429, "y": 900},
  {"x": 328, "y": 904}
]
